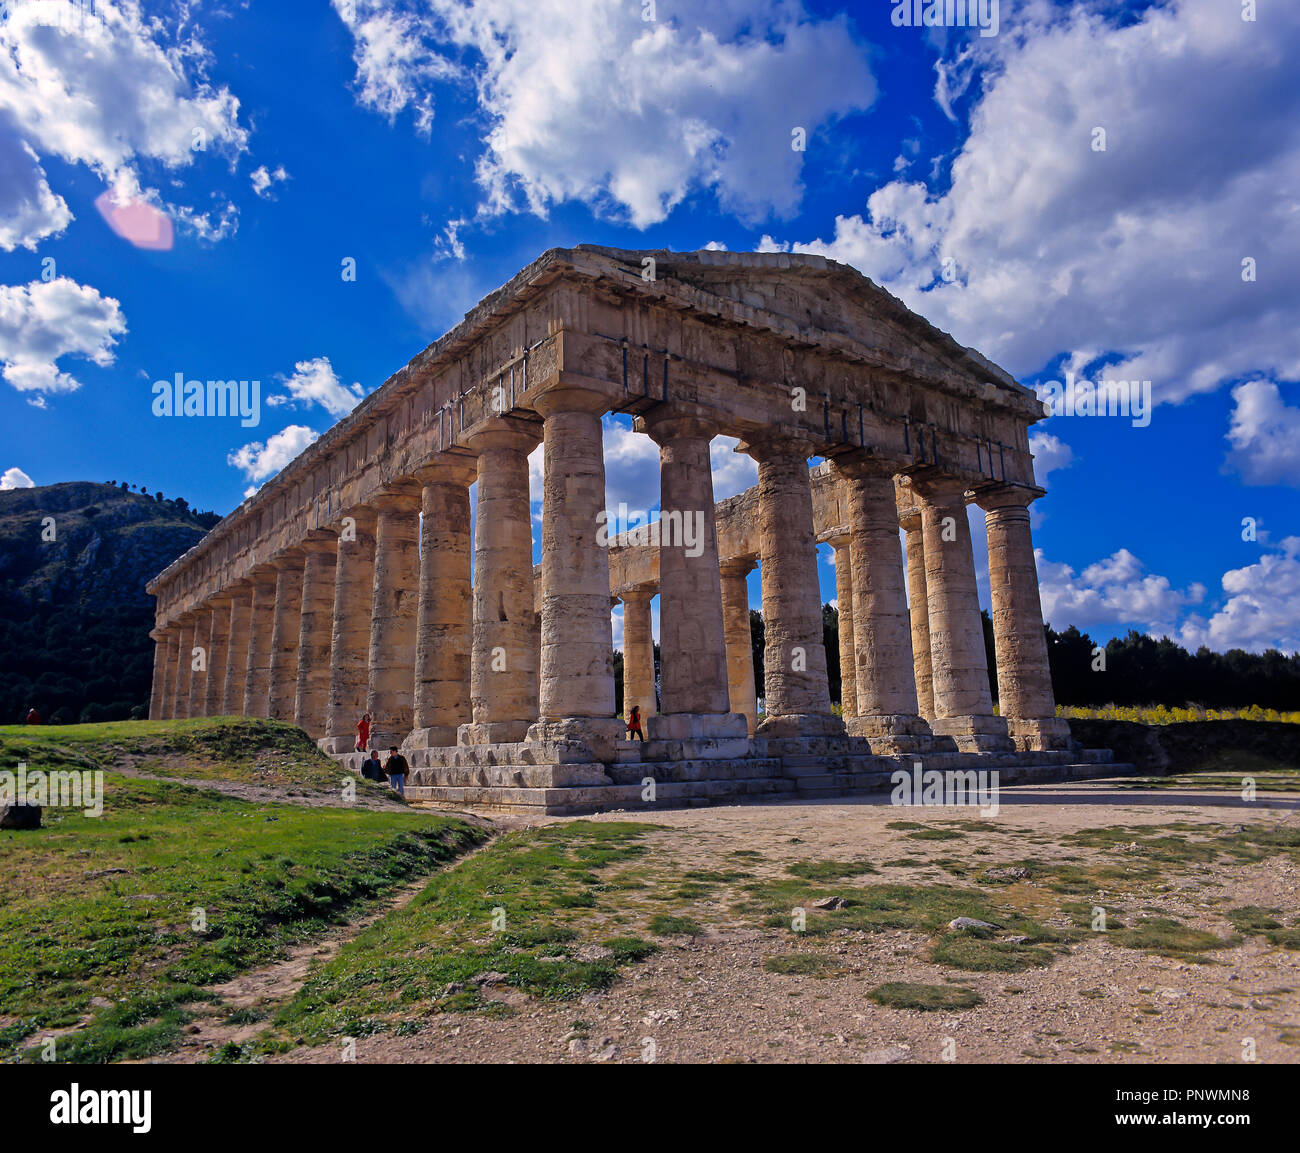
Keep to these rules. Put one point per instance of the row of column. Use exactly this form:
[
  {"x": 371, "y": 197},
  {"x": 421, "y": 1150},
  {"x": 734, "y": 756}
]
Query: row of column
[{"x": 369, "y": 617}]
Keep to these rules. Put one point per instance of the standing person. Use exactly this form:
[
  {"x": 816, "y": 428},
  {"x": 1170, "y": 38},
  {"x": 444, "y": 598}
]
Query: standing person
[
  {"x": 396, "y": 768},
  {"x": 371, "y": 769},
  {"x": 634, "y": 725},
  {"x": 33, "y": 717},
  {"x": 363, "y": 732}
]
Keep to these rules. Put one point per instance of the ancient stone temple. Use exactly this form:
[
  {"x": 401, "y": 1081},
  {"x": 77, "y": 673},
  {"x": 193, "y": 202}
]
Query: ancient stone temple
[{"x": 352, "y": 582}]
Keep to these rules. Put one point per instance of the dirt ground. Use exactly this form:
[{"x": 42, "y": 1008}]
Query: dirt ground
[{"x": 709, "y": 998}]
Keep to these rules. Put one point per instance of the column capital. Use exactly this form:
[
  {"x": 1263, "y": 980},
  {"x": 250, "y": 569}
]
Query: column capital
[
  {"x": 262, "y": 575},
  {"x": 636, "y": 595},
  {"x": 737, "y": 567},
  {"x": 448, "y": 469},
  {"x": 318, "y": 541},
  {"x": 505, "y": 432},
  {"x": 856, "y": 464},
  {"x": 840, "y": 540},
  {"x": 572, "y": 398},
  {"x": 940, "y": 487},
  {"x": 671, "y": 422},
  {"x": 401, "y": 495},
  {"x": 1007, "y": 496},
  {"x": 289, "y": 559},
  {"x": 910, "y": 518},
  {"x": 777, "y": 444},
  {"x": 362, "y": 514}
]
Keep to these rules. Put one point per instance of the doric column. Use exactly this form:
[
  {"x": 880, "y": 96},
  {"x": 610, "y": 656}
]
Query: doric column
[
  {"x": 199, "y": 662},
  {"x": 504, "y": 657},
  {"x": 740, "y": 643},
  {"x": 795, "y": 688},
  {"x": 692, "y": 642},
  {"x": 844, "y": 603},
  {"x": 1024, "y": 676},
  {"x": 918, "y": 610},
  {"x": 158, "y": 691},
  {"x": 218, "y": 644},
  {"x": 354, "y": 591},
  {"x": 445, "y": 615},
  {"x": 286, "y": 630},
  {"x": 315, "y": 633},
  {"x": 390, "y": 698},
  {"x": 184, "y": 657},
  {"x": 638, "y": 654},
  {"x": 576, "y": 680},
  {"x": 257, "y": 682},
  {"x": 236, "y": 672},
  {"x": 882, "y": 630},
  {"x": 963, "y": 706}
]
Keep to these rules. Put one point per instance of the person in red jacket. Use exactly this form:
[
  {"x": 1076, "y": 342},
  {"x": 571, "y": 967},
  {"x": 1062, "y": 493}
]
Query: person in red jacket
[
  {"x": 33, "y": 717},
  {"x": 634, "y": 725},
  {"x": 363, "y": 733}
]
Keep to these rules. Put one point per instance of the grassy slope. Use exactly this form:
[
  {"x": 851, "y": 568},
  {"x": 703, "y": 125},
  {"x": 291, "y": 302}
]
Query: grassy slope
[{"x": 98, "y": 915}]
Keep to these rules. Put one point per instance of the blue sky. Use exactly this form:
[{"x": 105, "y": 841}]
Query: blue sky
[{"x": 442, "y": 146}]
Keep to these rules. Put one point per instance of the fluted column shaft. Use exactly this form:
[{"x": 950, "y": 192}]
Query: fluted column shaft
[
  {"x": 158, "y": 688},
  {"x": 218, "y": 634},
  {"x": 576, "y": 686},
  {"x": 236, "y": 671},
  {"x": 739, "y": 640},
  {"x": 445, "y": 615},
  {"x": 692, "y": 642},
  {"x": 638, "y": 655},
  {"x": 354, "y": 585},
  {"x": 504, "y": 657},
  {"x": 882, "y": 629},
  {"x": 286, "y": 630},
  {"x": 796, "y": 688},
  {"x": 257, "y": 682},
  {"x": 315, "y": 633},
  {"x": 390, "y": 698},
  {"x": 199, "y": 662},
  {"x": 1024, "y": 676},
  {"x": 963, "y": 706},
  {"x": 844, "y": 603},
  {"x": 184, "y": 657},
  {"x": 919, "y": 611}
]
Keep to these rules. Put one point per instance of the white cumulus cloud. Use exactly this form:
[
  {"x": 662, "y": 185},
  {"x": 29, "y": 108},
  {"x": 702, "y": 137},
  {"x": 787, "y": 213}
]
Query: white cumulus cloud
[
  {"x": 588, "y": 100},
  {"x": 316, "y": 382},
  {"x": 15, "y": 478},
  {"x": 1116, "y": 591},
  {"x": 1261, "y": 610},
  {"x": 1265, "y": 435},
  {"x": 258, "y": 460},
  {"x": 45, "y": 320}
]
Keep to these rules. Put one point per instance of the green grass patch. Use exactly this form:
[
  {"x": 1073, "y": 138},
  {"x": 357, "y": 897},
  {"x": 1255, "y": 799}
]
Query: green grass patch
[
  {"x": 800, "y": 965},
  {"x": 447, "y": 950},
  {"x": 108, "y": 907},
  {"x": 673, "y": 925},
  {"x": 829, "y": 870},
  {"x": 1169, "y": 938},
  {"x": 927, "y": 998}
]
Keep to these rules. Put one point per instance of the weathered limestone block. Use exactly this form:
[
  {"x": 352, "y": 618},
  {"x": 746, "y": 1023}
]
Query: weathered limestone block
[
  {"x": 235, "y": 674},
  {"x": 739, "y": 640},
  {"x": 390, "y": 698},
  {"x": 504, "y": 659},
  {"x": 199, "y": 662},
  {"x": 794, "y": 659},
  {"x": 576, "y": 690},
  {"x": 286, "y": 632},
  {"x": 257, "y": 683},
  {"x": 963, "y": 706},
  {"x": 354, "y": 585},
  {"x": 1024, "y": 676},
  {"x": 316, "y": 632},
  {"x": 445, "y": 616}
]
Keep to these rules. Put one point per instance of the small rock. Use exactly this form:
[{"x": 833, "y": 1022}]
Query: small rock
[
  {"x": 1017, "y": 940},
  {"x": 1011, "y": 874},
  {"x": 453, "y": 987},
  {"x": 489, "y": 978},
  {"x": 969, "y": 923},
  {"x": 577, "y": 1047},
  {"x": 891, "y": 1056},
  {"x": 656, "y": 1016},
  {"x": 829, "y": 903}
]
